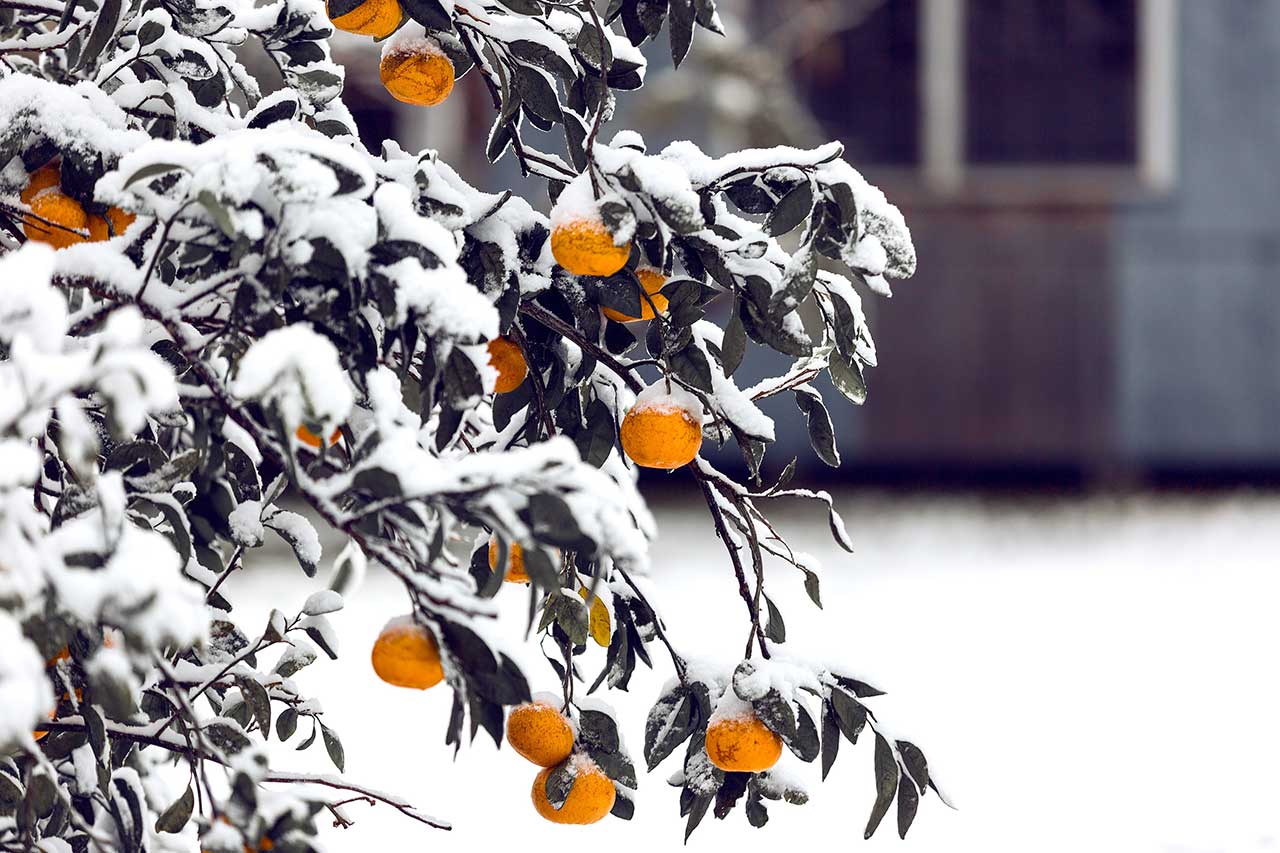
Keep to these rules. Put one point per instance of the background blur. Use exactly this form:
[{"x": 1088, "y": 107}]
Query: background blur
[
  {"x": 1059, "y": 488},
  {"x": 1093, "y": 191}
]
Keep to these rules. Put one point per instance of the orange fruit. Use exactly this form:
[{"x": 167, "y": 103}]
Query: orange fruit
[
  {"x": 742, "y": 744},
  {"x": 377, "y": 18},
  {"x": 310, "y": 439},
  {"x": 652, "y": 280},
  {"x": 659, "y": 432},
  {"x": 515, "y": 561},
  {"x": 407, "y": 655},
  {"x": 422, "y": 77},
  {"x": 589, "y": 800},
  {"x": 540, "y": 733},
  {"x": 52, "y": 207},
  {"x": 586, "y": 247},
  {"x": 506, "y": 358},
  {"x": 48, "y": 175}
]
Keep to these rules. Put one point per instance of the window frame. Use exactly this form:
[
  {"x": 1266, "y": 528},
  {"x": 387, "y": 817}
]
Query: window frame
[{"x": 944, "y": 172}]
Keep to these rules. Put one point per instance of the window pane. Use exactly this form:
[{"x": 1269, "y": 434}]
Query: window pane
[
  {"x": 862, "y": 83},
  {"x": 1052, "y": 81}
]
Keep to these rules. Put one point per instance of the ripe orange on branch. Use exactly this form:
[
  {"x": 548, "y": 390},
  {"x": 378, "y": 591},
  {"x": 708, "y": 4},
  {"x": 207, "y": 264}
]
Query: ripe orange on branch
[
  {"x": 377, "y": 18},
  {"x": 540, "y": 733},
  {"x": 415, "y": 71},
  {"x": 663, "y": 429},
  {"x": 51, "y": 207},
  {"x": 743, "y": 744},
  {"x": 652, "y": 280},
  {"x": 46, "y": 177},
  {"x": 515, "y": 561},
  {"x": 407, "y": 655},
  {"x": 585, "y": 247},
  {"x": 57, "y": 219},
  {"x": 589, "y": 800},
  {"x": 506, "y": 358}
]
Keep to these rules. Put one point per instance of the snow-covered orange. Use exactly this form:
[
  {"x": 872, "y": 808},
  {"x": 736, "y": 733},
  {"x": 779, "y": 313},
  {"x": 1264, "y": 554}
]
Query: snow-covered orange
[
  {"x": 663, "y": 429},
  {"x": 743, "y": 744},
  {"x": 415, "y": 71},
  {"x": 585, "y": 247},
  {"x": 515, "y": 561},
  {"x": 540, "y": 733},
  {"x": 506, "y": 358},
  {"x": 406, "y": 655},
  {"x": 377, "y": 18},
  {"x": 652, "y": 280},
  {"x": 48, "y": 175},
  {"x": 51, "y": 208},
  {"x": 590, "y": 799}
]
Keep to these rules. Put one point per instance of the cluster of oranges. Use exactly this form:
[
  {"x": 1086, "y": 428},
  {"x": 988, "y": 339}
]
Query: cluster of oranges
[
  {"x": 414, "y": 71},
  {"x": 659, "y": 431},
  {"x": 58, "y": 220},
  {"x": 406, "y": 654},
  {"x": 541, "y": 733}
]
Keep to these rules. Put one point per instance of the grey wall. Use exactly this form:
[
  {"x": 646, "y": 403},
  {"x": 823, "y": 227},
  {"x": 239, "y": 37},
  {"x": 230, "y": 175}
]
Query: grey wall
[{"x": 1198, "y": 273}]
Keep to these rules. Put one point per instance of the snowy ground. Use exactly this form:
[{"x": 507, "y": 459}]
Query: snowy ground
[{"x": 1085, "y": 676}]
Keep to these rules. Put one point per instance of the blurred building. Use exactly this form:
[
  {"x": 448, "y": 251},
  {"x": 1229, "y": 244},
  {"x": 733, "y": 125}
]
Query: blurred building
[{"x": 1094, "y": 191}]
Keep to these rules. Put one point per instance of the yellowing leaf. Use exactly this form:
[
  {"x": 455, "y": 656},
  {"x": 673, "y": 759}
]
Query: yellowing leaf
[{"x": 600, "y": 625}]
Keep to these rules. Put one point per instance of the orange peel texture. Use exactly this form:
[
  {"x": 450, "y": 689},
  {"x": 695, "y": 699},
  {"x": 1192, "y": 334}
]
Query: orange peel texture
[
  {"x": 506, "y": 358},
  {"x": 406, "y": 655},
  {"x": 587, "y": 248},
  {"x": 377, "y": 18},
  {"x": 421, "y": 78},
  {"x": 52, "y": 208},
  {"x": 660, "y": 436},
  {"x": 515, "y": 561},
  {"x": 540, "y": 733},
  {"x": 589, "y": 800},
  {"x": 742, "y": 744}
]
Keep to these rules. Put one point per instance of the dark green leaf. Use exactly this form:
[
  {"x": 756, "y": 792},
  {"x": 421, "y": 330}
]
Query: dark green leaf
[
  {"x": 287, "y": 723},
  {"x": 176, "y": 816},
  {"x": 596, "y": 441},
  {"x": 691, "y": 365},
  {"x": 681, "y": 29},
  {"x": 333, "y": 746},
  {"x": 821, "y": 433},
  {"x": 775, "y": 629},
  {"x": 734, "y": 344},
  {"x": 104, "y": 27},
  {"x": 792, "y": 210},
  {"x": 667, "y": 727},
  {"x": 886, "y": 768},
  {"x": 830, "y": 737},
  {"x": 255, "y": 696},
  {"x": 908, "y": 801},
  {"x": 850, "y": 714},
  {"x": 559, "y": 784},
  {"x": 915, "y": 763}
]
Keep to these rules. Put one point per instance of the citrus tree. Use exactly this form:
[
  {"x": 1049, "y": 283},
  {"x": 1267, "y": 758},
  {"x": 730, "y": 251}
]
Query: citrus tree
[{"x": 217, "y": 308}]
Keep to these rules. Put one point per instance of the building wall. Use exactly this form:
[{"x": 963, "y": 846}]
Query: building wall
[{"x": 1197, "y": 275}]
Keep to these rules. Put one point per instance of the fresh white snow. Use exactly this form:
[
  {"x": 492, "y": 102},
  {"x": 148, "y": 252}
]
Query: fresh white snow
[{"x": 1084, "y": 676}]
